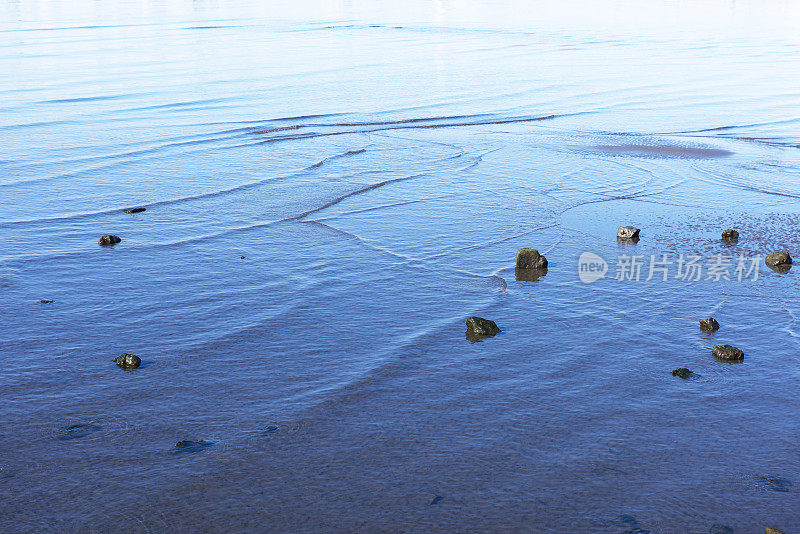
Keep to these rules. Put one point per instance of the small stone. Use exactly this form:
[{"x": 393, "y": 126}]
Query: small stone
[
  {"x": 479, "y": 327},
  {"x": 709, "y": 325},
  {"x": 45, "y": 301},
  {"x": 242, "y": 257},
  {"x": 135, "y": 210},
  {"x": 727, "y": 353},
  {"x": 528, "y": 258},
  {"x": 730, "y": 235},
  {"x": 108, "y": 240},
  {"x": 778, "y": 258},
  {"x": 627, "y": 232},
  {"x": 773, "y": 530},
  {"x": 682, "y": 372},
  {"x": 128, "y": 361}
]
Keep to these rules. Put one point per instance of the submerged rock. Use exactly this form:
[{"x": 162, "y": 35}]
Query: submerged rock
[
  {"x": 528, "y": 258},
  {"x": 135, "y": 210},
  {"x": 774, "y": 483},
  {"x": 709, "y": 325},
  {"x": 627, "y": 232},
  {"x": 478, "y": 328},
  {"x": 730, "y": 235},
  {"x": 107, "y": 240},
  {"x": 682, "y": 372},
  {"x": 46, "y": 301},
  {"x": 77, "y": 431},
  {"x": 190, "y": 446},
  {"x": 529, "y": 275},
  {"x": 773, "y": 530},
  {"x": 727, "y": 353},
  {"x": 128, "y": 361},
  {"x": 716, "y": 528}
]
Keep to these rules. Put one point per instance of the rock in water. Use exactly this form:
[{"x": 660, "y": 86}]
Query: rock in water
[
  {"x": 479, "y": 327},
  {"x": 77, "y": 431},
  {"x": 727, "y": 353},
  {"x": 627, "y": 232},
  {"x": 529, "y": 275},
  {"x": 528, "y": 258},
  {"x": 683, "y": 372},
  {"x": 773, "y": 530},
  {"x": 778, "y": 258},
  {"x": 108, "y": 240},
  {"x": 135, "y": 210},
  {"x": 190, "y": 446},
  {"x": 709, "y": 325},
  {"x": 46, "y": 301},
  {"x": 730, "y": 235},
  {"x": 128, "y": 361}
]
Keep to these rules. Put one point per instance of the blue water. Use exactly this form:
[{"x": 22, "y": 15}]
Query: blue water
[{"x": 331, "y": 190}]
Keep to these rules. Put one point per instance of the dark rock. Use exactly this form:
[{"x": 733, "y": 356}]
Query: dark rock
[
  {"x": 627, "y": 232},
  {"x": 778, "y": 258},
  {"x": 528, "y": 258},
  {"x": 727, "y": 353},
  {"x": 108, "y": 240},
  {"x": 135, "y": 210},
  {"x": 778, "y": 484},
  {"x": 80, "y": 430},
  {"x": 128, "y": 361},
  {"x": 242, "y": 257},
  {"x": 682, "y": 372},
  {"x": 190, "y": 446},
  {"x": 730, "y": 235},
  {"x": 529, "y": 275},
  {"x": 773, "y": 530},
  {"x": 716, "y": 528},
  {"x": 709, "y": 325},
  {"x": 437, "y": 499},
  {"x": 479, "y": 328},
  {"x": 45, "y": 301}
]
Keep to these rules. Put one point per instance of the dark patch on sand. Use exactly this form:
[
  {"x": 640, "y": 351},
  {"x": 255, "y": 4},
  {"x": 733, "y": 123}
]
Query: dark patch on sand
[{"x": 663, "y": 151}]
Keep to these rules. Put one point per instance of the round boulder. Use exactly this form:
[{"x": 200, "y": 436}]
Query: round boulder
[
  {"x": 480, "y": 327},
  {"x": 709, "y": 325},
  {"x": 528, "y": 258},
  {"x": 128, "y": 361},
  {"x": 778, "y": 258},
  {"x": 730, "y": 235},
  {"x": 682, "y": 372},
  {"x": 627, "y": 232},
  {"x": 107, "y": 240},
  {"x": 727, "y": 353}
]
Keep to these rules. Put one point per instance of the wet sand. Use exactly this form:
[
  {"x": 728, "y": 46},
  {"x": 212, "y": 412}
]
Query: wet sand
[{"x": 322, "y": 216}]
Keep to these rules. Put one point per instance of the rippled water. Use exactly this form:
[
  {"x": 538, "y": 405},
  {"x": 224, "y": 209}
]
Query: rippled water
[{"x": 331, "y": 189}]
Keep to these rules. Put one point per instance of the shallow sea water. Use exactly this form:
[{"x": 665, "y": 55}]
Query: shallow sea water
[{"x": 331, "y": 189}]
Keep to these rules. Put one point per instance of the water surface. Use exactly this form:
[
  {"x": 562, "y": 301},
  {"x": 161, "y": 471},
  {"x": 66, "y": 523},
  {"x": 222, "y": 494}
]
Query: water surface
[{"x": 331, "y": 189}]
